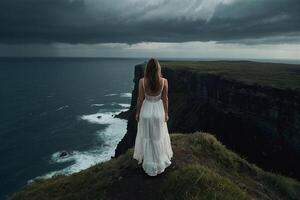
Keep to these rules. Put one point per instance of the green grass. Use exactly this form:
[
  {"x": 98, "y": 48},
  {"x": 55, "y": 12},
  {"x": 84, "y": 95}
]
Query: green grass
[
  {"x": 202, "y": 168},
  {"x": 199, "y": 182},
  {"x": 269, "y": 74},
  {"x": 244, "y": 180}
]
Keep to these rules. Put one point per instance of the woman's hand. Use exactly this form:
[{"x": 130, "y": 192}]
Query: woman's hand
[
  {"x": 166, "y": 117},
  {"x": 137, "y": 115}
]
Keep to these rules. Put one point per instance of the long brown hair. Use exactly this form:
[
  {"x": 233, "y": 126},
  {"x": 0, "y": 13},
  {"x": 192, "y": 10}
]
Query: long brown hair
[{"x": 153, "y": 73}]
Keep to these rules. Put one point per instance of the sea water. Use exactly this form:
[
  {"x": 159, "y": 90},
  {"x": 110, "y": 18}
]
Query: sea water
[{"x": 54, "y": 105}]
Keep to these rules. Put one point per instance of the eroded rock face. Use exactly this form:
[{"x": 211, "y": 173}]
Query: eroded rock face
[{"x": 259, "y": 122}]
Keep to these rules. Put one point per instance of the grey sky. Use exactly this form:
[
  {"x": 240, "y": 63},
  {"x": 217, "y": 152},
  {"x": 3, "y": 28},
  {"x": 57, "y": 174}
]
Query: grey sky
[{"x": 117, "y": 27}]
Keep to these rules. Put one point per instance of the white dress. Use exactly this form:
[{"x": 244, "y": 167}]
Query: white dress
[{"x": 152, "y": 143}]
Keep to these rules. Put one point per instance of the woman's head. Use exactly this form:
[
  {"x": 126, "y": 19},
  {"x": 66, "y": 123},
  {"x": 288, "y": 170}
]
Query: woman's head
[{"x": 153, "y": 73}]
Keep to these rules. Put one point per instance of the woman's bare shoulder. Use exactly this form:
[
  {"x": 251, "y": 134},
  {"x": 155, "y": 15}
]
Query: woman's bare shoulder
[{"x": 165, "y": 80}]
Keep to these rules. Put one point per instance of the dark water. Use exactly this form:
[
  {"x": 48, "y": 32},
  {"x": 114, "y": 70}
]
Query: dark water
[{"x": 50, "y": 105}]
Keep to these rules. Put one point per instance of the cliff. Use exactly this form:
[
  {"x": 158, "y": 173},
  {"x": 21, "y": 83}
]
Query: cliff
[
  {"x": 202, "y": 168},
  {"x": 253, "y": 108}
]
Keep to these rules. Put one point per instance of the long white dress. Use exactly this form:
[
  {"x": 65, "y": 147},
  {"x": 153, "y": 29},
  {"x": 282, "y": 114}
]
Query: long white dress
[{"x": 152, "y": 143}]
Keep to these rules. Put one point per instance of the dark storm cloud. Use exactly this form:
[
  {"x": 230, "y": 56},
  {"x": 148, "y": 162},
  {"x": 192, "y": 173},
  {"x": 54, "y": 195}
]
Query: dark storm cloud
[{"x": 132, "y": 21}]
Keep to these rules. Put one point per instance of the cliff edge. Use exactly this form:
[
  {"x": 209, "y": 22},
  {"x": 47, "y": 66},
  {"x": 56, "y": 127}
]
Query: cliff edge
[{"x": 202, "y": 168}]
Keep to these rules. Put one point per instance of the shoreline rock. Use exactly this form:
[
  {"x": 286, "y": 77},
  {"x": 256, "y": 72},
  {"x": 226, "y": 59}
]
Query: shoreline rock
[{"x": 123, "y": 115}]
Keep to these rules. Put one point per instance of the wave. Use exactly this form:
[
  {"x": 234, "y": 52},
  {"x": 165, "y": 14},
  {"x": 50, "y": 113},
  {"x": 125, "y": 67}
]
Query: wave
[
  {"x": 97, "y": 105},
  {"x": 111, "y": 135},
  {"x": 82, "y": 160},
  {"x": 62, "y": 107},
  {"x": 109, "y": 95},
  {"x": 127, "y": 94},
  {"x": 122, "y": 105},
  {"x": 123, "y": 94},
  {"x": 101, "y": 118},
  {"x": 125, "y": 105}
]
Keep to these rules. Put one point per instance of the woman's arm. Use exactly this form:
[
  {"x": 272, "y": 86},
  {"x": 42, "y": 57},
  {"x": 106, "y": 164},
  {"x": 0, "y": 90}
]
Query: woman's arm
[
  {"x": 165, "y": 99},
  {"x": 140, "y": 99}
]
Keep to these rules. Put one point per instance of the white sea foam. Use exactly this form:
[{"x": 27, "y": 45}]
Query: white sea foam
[
  {"x": 99, "y": 118},
  {"x": 127, "y": 94},
  {"x": 123, "y": 105},
  {"x": 62, "y": 107},
  {"x": 123, "y": 94},
  {"x": 97, "y": 105},
  {"x": 81, "y": 159},
  {"x": 112, "y": 135},
  {"x": 109, "y": 95}
]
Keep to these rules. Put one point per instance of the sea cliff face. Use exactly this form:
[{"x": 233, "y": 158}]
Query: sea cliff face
[{"x": 259, "y": 122}]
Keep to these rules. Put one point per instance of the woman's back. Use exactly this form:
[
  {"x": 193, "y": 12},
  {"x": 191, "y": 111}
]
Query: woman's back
[
  {"x": 152, "y": 144},
  {"x": 153, "y": 96},
  {"x": 147, "y": 90}
]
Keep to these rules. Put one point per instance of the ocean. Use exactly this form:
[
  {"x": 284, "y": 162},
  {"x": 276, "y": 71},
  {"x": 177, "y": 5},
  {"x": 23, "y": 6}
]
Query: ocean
[{"x": 54, "y": 105}]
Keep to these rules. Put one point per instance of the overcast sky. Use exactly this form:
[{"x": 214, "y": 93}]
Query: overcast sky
[{"x": 142, "y": 28}]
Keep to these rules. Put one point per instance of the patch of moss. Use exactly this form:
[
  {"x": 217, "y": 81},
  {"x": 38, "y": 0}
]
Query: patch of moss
[
  {"x": 285, "y": 185},
  {"x": 199, "y": 182}
]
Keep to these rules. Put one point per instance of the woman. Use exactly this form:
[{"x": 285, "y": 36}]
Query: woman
[{"x": 152, "y": 143}]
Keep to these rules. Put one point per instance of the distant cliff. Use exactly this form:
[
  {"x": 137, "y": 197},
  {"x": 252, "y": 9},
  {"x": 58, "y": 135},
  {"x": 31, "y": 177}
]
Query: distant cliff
[{"x": 253, "y": 108}]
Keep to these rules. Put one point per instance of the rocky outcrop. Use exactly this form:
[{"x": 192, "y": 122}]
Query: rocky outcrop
[
  {"x": 123, "y": 115},
  {"x": 259, "y": 122}
]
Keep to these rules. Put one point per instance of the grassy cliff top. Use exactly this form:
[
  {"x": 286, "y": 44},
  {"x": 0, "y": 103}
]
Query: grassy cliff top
[
  {"x": 270, "y": 74},
  {"x": 202, "y": 168}
]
